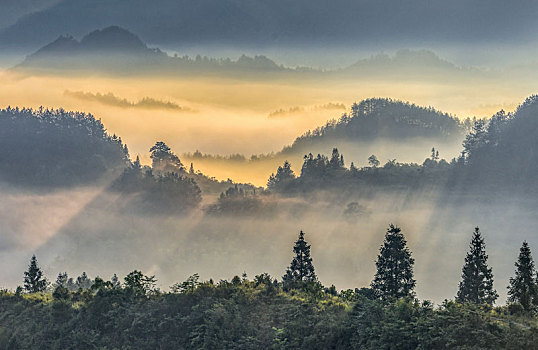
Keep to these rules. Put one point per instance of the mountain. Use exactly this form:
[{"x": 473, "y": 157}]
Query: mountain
[
  {"x": 117, "y": 50},
  {"x": 110, "y": 40},
  {"x": 381, "y": 118},
  {"x": 270, "y": 23}
]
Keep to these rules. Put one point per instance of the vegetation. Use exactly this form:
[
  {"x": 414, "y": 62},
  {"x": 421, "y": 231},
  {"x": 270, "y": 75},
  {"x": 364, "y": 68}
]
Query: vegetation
[
  {"x": 297, "y": 313},
  {"x": 523, "y": 287},
  {"x": 301, "y": 269},
  {"x": 476, "y": 285},
  {"x": 381, "y": 118},
  {"x": 394, "y": 276},
  {"x": 55, "y": 148}
]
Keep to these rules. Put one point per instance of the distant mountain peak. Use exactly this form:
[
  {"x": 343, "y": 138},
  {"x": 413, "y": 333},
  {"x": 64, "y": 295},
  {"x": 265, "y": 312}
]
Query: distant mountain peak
[
  {"x": 110, "y": 40},
  {"x": 113, "y": 38}
]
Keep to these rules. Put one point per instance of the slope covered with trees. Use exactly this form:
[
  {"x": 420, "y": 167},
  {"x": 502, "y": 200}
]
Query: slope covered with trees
[
  {"x": 381, "y": 118},
  {"x": 503, "y": 152},
  {"x": 40, "y": 148},
  {"x": 295, "y": 313},
  {"x": 499, "y": 155}
]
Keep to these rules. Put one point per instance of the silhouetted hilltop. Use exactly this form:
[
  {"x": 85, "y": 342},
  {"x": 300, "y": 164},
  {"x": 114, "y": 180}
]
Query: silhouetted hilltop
[
  {"x": 110, "y": 40},
  {"x": 55, "y": 148},
  {"x": 282, "y": 22},
  {"x": 423, "y": 64},
  {"x": 504, "y": 151},
  {"x": 116, "y": 50},
  {"x": 381, "y": 118}
]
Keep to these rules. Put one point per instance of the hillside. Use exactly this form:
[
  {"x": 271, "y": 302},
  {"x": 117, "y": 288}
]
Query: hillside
[
  {"x": 279, "y": 22},
  {"x": 380, "y": 118},
  {"x": 504, "y": 151},
  {"x": 55, "y": 148},
  {"x": 251, "y": 315}
]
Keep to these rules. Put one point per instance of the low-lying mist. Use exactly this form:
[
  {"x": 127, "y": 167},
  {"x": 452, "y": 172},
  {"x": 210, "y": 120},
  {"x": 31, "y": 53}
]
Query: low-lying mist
[
  {"x": 236, "y": 115},
  {"x": 83, "y": 230}
]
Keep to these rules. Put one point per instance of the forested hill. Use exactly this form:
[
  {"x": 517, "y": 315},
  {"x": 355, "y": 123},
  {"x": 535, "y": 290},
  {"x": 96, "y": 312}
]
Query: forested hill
[
  {"x": 499, "y": 155},
  {"x": 504, "y": 151},
  {"x": 381, "y": 118},
  {"x": 56, "y": 148}
]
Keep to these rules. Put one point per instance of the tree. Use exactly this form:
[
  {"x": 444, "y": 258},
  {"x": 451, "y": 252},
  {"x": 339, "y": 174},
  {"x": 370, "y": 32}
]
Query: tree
[
  {"x": 115, "y": 282},
  {"x": 284, "y": 175},
  {"x": 188, "y": 286},
  {"x": 62, "y": 279},
  {"x": 476, "y": 285},
  {"x": 337, "y": 160},
  {"x": 373, "y": 161},
  {"x": 394, "y": 276},
  {"x": 34, "y": 282},
  {"x": 164, "y": 160},
  {"x": 435, "y": 154},
  {"x": 140, "y": 284},
  {"x": 301, "y": 268},
  {"x": 83, "y": 282},
  {"x": 523, "y": 287}
]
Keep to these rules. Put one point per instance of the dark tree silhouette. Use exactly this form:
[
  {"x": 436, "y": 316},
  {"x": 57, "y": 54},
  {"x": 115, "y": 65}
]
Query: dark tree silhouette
[
  {"x": 301, "y": 268},
  {"x": 523, "y": 287},
  {"x": 284, "y": 176},
  {"x": 476, "y": 285},
  {"x": 394, "y": 276},
  {"x": 44, "y": 148},
  {"x": 373, "y": 161},
  {"x": 34, "y": 282},
  {"x": 164, "y": 160}
]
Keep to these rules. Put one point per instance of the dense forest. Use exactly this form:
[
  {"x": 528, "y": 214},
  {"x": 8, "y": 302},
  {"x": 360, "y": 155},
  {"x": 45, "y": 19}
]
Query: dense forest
[
  {"x": 52, "y": 148},
  {"x": 382, "y": 118},
  {"x": 294, "y": 312},
  {"x": 42, "y": 148},
  {"x": 498, "y": 155}
]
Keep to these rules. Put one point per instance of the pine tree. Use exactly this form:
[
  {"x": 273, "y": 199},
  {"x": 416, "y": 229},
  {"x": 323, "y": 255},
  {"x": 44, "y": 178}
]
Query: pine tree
[
  {"x": 301, "y": 268},
  {"x": 394, "y": 276},
  {"x": 34, "y": 282},
  {"x": 523, "y": 287},
  {"x": 62, "y": 279},
  {"x": 284, "y": 176},
  {"x": 476, "y": 285}
]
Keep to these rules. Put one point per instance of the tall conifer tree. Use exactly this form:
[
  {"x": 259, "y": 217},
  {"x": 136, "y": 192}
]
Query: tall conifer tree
[
  {"x": 523, "y": 287},
  {"x": 394, "y": 276},
  {"x": 476, "y": 285},
  {"x": 301, "y": 268},
  {"x": 34, "y": 282}
]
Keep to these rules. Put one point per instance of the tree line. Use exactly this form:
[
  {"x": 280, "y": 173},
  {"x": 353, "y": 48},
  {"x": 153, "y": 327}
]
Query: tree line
[
  {"x": 295, "y": 312},
  {"x": 394, "y": 278}
]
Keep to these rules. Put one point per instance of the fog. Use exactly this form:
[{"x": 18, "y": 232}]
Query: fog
[
  {"x": 83, "y": 230},
  {"x": 256, "y": 114}
]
